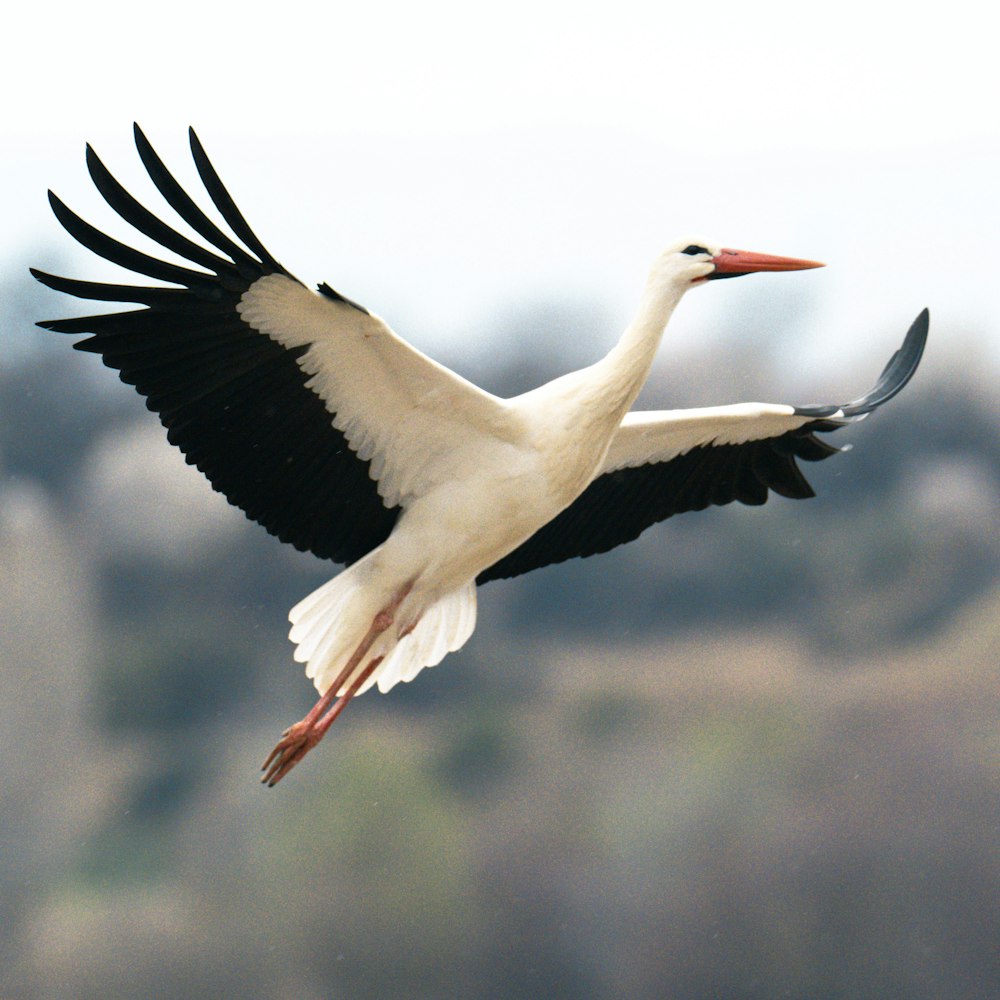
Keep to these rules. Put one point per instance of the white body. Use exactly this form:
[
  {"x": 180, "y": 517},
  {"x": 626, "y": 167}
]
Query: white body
[{"x": 475, "y": 475}]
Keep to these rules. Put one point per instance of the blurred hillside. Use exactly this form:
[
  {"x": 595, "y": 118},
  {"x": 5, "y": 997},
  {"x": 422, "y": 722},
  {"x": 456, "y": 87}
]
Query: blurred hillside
[{"x": 753, "y": 754}]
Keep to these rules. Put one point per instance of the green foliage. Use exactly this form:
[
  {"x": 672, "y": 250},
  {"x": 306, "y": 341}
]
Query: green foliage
[
  {"x": 168, "y": 675},
  {"x": 479, "y": 752}
]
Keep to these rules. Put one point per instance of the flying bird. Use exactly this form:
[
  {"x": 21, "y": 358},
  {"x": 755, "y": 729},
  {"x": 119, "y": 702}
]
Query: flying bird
[{"x": 307, "y": 412}]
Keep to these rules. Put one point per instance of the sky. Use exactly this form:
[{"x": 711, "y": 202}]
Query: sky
[{"x": 452, "y": 168}]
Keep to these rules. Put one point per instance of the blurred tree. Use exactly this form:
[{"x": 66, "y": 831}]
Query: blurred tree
[{"x": 749, "y": 755}]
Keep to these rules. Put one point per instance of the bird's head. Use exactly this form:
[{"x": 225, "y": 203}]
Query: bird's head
[{"x": 692, "y": 262}]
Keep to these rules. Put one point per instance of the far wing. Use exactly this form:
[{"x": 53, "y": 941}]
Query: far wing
[{"x": 671, "y": 461}]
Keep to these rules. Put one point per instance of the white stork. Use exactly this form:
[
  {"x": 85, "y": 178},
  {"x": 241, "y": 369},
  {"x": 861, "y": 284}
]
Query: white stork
[{"x": 310, "y": 414}]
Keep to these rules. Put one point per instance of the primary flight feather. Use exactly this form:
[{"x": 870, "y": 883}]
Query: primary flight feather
[{"x": 312, "y": 416}]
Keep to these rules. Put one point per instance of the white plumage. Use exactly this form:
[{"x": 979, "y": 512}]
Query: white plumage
[{"x": 339, "y": 437}]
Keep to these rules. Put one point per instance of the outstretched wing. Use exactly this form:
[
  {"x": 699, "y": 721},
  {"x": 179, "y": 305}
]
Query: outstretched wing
[
  {"x": 667, "y": 462},
  {"x": 302, "y": 408}
]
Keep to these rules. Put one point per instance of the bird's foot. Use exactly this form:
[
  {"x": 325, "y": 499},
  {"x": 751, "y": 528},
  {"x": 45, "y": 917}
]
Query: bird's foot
[
  {"x": 298, "y": 740},
  {"x": 295, "y": 743}
]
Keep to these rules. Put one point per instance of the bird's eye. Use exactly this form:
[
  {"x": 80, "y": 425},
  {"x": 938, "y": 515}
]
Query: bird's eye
[{"x": 692, "y": 250}]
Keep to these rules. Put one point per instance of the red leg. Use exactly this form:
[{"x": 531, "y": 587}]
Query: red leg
[
  {"x": 298, "y": 740},
  {"x": 304, "y": 735}
]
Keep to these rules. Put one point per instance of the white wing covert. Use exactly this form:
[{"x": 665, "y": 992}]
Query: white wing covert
[{"x": 410, "y": 417}]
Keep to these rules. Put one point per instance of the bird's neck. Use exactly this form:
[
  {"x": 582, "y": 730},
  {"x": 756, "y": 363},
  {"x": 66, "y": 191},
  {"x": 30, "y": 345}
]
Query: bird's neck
[
  {"x": 575, "y": 417},
  {"x": 625, "y": 368}
]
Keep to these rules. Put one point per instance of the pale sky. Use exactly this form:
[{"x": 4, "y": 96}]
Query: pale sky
[{"x": 447, "y": 166}]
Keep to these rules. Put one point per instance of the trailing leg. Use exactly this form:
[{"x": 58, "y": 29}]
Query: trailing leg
[{"x": 299, "y": 739}]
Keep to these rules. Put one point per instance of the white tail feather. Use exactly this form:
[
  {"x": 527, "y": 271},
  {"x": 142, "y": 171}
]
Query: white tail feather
[
  {"x": 330, "y": 624},
  {"x": 443, "y": 627}
]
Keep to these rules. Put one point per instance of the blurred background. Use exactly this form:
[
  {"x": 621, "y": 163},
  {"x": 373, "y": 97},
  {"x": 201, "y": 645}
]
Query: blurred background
[{"x": 752, "y": 755}]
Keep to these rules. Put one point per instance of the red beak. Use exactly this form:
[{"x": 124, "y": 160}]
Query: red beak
[{"x": 730, "y": 263}]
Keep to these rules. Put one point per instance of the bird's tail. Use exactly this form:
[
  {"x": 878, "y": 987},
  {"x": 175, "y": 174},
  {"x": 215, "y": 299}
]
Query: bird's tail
[{"x": 332, "y": 622}]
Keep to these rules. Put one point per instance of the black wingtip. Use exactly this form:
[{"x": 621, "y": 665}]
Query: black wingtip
[
  {"x": 66, "y": 217},
  {"x": 42, "y": 276},
  {"x": 223, "y": 201},
  {"x": 94, "y": 164},
  {"x": 46, "y": 279},
  {"x": 898, "y": 372},
  {"x": 894, "y": 377},
  {"x": 197, "y": 149}
]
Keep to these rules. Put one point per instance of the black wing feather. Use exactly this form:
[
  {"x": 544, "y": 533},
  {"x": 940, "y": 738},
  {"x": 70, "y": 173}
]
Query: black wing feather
[
  {"x": 618, "y": 506},
  {"x": 225, "y": 204},
  {"x": 233, "y": 400},
  {"x": 125, "y": 256},
  {"x": 139, "y": 217},
  {"x": 184, "y": 205}
]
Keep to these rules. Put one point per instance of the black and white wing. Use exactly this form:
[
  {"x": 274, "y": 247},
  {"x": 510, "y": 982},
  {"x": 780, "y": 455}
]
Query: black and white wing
[
  {"x": 667, "y": 462},
  {"x": 301, "y": 407}
]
